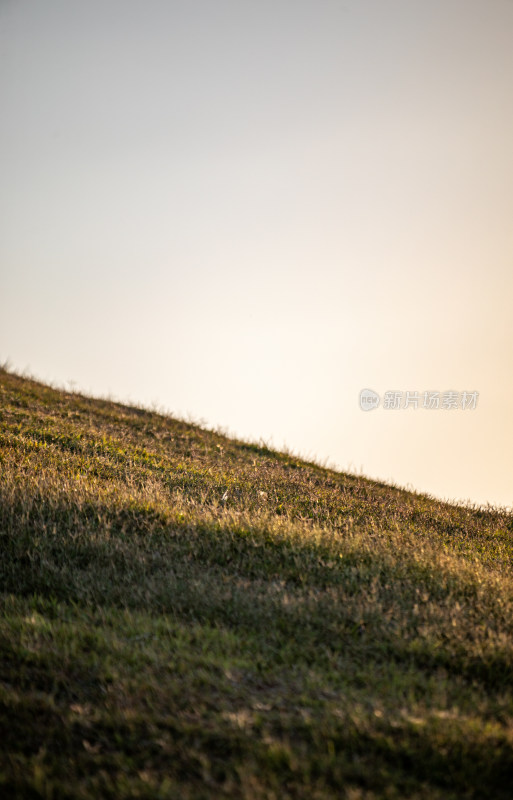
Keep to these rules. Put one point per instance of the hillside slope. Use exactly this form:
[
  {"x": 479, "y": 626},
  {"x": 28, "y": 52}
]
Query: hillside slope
[{"x": 188, "y": 616}]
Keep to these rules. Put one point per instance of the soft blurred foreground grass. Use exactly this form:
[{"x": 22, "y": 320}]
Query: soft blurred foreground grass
[{"x": 187, "y": 616}]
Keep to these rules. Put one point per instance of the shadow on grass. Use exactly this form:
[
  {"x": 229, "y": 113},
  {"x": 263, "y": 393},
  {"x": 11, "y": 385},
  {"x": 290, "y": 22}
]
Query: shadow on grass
[{"x": 298, "y": 601}]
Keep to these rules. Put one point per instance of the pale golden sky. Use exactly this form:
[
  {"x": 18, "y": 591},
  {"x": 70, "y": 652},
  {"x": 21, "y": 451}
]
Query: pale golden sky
[{"x": 248, "y": 212}]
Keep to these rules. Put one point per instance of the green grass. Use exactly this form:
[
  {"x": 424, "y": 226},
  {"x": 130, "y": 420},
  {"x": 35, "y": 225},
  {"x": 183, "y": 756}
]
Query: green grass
[{"x": 189, "y": 616}]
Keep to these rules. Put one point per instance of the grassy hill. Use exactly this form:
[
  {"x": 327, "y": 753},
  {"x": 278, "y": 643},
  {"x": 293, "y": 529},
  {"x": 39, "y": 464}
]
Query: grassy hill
[{"x": 188, "y": 616}]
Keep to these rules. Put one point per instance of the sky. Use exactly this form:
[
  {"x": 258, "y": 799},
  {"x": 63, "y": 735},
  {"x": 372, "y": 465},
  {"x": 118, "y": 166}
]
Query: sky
[{"x": 246, "y": 213}]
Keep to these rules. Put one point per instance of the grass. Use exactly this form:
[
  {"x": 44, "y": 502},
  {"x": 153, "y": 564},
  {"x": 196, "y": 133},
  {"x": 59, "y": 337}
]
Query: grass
[{"x": 189, "y": 616}]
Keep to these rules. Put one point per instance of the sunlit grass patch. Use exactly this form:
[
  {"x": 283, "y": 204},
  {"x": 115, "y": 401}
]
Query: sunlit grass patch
[{"x": 185, "y": 615}]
